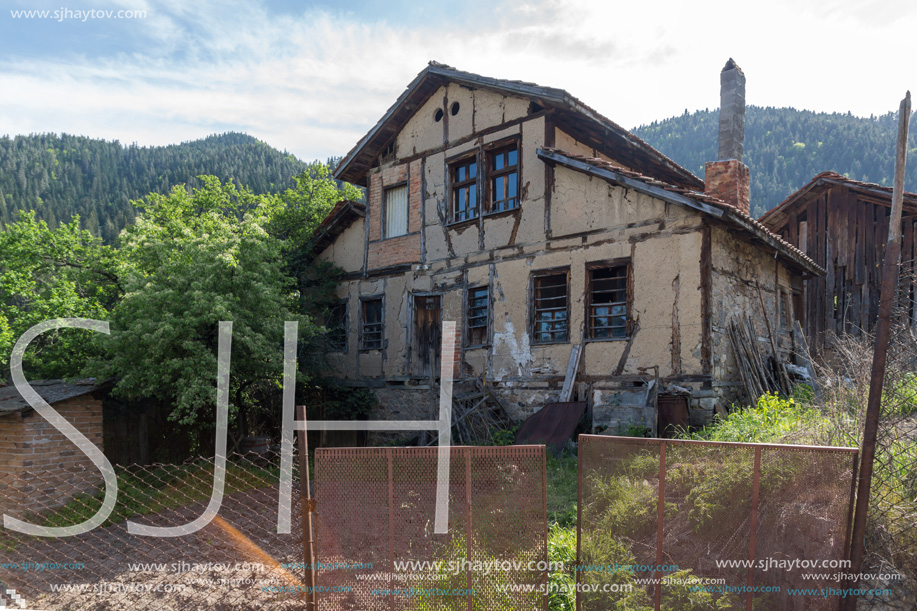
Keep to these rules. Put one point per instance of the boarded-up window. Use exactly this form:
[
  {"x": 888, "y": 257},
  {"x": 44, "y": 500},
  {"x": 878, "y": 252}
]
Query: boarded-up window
[
  {"x": 371, "y": 324},
  {"x": 478, "y": 316},
  {"x": 464, "y": 190},
  {"x": 336, "y": 323},
  {"x": 503, "y": 179},
  {"x": 550, "y": 308},
  {"x": 396, "y": 211},
  {"x": 606, "y": 309}
]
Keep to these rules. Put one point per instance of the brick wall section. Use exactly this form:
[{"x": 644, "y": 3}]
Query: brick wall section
[
  {"x": 406, "y": 248},
  {"x": 730, "y": 181},
  {"x": 11, "y": 434},
  {"x": 42, "y": 468}
]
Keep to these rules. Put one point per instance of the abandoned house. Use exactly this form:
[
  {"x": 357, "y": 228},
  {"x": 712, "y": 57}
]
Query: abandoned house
[
  {"x": 842, "y": 224},
  {"x": 546, "y": 231},
  {"x": 39, "y": 466}
]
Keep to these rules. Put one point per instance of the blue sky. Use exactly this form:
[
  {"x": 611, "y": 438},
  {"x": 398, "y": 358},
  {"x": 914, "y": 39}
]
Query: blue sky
[{"x": 313, "y": 77}]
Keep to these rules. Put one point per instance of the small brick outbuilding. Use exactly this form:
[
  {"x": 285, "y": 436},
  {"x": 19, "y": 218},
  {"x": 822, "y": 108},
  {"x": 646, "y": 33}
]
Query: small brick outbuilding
[{"x": 39, "y": 466}]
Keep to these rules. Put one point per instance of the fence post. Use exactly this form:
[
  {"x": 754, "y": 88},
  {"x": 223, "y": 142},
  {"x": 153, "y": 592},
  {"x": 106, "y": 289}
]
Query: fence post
[
  {"x": 467, "y": 452},
  {"x": 660, "y": 521},
  {"x": 580, "y": 451},
  {"x": 753, "y": 528},
  {"x": 880, "y": 354},
  {"x": 307, "y": 507},
  {"x": 544, "y": 505},
  {"x": 391, "y": 520}
]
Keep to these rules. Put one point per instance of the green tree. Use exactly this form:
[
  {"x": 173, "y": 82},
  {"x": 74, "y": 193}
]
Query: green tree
[
  {"x": 198, "y": 257},
  {"x": 53, "y": 273},
  {"x": 306, "y": 205}
]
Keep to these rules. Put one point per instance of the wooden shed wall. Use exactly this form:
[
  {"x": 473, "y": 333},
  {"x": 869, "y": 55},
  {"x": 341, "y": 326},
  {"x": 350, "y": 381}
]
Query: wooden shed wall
[{"x": 845, "y": 234}]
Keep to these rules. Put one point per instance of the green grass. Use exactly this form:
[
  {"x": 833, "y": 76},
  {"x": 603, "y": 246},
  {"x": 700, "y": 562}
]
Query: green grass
[
  {"x": 158, "y": 488},
  {"x": 773, "y": 419},
  {"x": 561, "y": 474}
]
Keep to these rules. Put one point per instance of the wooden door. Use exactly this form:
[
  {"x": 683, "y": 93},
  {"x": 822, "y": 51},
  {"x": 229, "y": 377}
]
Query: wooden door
[{"x": 427, "y": 339}]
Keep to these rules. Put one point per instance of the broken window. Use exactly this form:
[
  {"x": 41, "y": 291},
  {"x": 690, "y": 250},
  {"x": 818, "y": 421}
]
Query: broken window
[
  {"x": 464, "y": 189},
  {"x": 371, "y": 324},
  {"x": 550, "y": 308},
  {"x": 503, "y": 178},
  {"x": 336, "y": 323},
  {"x": 396, "y": 211},
  {"x": 478, "y": 313},
  {"x": 606, "y": 309}
]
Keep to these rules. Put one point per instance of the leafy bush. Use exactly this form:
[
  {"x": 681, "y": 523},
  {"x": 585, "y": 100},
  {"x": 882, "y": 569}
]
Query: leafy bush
[{"x": 772, "y": 419}]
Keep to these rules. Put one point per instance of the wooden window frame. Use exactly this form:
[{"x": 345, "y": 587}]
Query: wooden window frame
[
  {"x": 364, "y": 324},
  {"x": 343, "y": 303},
  {"x": 490, "y": 151},
  {"x": 534, "y": 309},
  {"x": 468, "y": 317},
  {"x": 628, "y": 298},
  {"x": 452, "y": 165},
  {"x": 385, "y": 190}
]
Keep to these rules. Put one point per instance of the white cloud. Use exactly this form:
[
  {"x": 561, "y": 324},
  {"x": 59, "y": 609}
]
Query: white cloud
[{"x": 314, "y": 83}]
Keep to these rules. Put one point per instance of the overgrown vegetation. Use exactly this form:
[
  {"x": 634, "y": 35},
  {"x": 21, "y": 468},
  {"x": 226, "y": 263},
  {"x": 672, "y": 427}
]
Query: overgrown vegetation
[
  {"x": 835, "y": 416},
  {"x": 772, "y": 420}
]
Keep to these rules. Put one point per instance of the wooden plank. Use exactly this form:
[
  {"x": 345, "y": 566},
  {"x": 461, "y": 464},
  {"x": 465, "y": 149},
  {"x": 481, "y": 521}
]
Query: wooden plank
[
  {"x": 792, "y": 230},
  {"x": 804, "y": 237},
  {"x": 860, "y": 259},
  {"x": 831, "y": 296},
  {"x": 570, "y": 378},
  {"x": 851, "y": 238},
  {"x": 820, "y": 296},
  {"x": 838, "y": 212}
]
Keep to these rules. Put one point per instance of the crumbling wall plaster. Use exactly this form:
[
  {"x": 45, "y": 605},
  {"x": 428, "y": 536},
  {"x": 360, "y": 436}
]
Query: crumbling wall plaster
[{"x": 738, "y": 269}]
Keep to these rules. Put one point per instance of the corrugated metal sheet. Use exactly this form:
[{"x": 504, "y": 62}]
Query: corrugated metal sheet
[{"x": 552, "y": 425}]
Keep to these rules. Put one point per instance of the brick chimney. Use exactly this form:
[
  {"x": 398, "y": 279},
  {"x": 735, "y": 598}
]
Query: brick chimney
[{"x": 728, "y": 179}]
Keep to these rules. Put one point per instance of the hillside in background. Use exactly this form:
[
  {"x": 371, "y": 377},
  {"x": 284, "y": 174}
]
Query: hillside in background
[
  {"x": 785, "y": 148},
  {"x": 63, "y": 175}
]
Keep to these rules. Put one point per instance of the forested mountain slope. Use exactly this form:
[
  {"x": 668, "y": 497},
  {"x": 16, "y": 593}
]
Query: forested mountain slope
[
  {"x": 785, "y": 148},
  {"x": 63, "y": 175}
]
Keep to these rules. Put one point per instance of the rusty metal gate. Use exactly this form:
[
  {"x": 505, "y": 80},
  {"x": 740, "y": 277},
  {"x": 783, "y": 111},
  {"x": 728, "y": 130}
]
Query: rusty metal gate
[
  {"x": 375, "y": 543},
  {"x": 667, "y": 524}
]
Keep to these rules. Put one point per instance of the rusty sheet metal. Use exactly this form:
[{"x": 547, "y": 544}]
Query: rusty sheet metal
[
  {"x": 375, "y": 508},
  {"x": 673, "y": 414},
  {"x": 552, "y": 425},
  {"x": 706, "y": 510}
]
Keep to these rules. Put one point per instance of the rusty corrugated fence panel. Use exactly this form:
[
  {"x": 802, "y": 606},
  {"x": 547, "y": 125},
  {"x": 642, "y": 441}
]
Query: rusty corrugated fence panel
[
  {"x": 618, "y": 520},
  {"x": 734, "y": 514},
  {"x": 369, "y": 518}
]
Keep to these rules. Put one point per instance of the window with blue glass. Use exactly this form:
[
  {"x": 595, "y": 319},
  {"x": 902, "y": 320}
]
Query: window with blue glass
[
  {"x": 478, "y": 312},
  {"x": 606, "y": 308},
  {"x": 550, "y": 310},
  {"x": 464, "y": 189},
  {"x": 503, "y": 179}
]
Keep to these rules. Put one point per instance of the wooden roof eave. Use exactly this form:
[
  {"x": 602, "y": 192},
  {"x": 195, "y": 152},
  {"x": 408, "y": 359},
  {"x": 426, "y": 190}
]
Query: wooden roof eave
[
  {"x": 359, "y": 160},
  {"x": 734, "y": 217}
]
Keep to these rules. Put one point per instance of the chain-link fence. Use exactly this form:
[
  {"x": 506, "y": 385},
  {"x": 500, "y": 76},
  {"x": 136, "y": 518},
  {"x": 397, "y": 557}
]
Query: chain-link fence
[
  {"x": 668, "y": 524},
  {"x": 237, "y": 561},
  {"x": 844, "y": 375}
]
